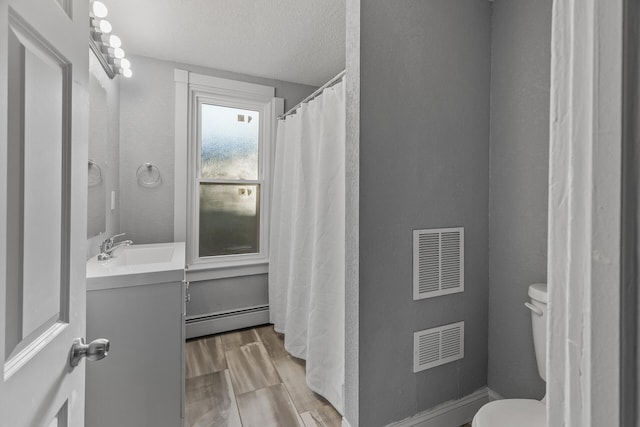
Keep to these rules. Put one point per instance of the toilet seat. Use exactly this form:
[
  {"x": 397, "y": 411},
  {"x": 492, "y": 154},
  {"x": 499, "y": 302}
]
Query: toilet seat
[{"x": 510, "y": 413}]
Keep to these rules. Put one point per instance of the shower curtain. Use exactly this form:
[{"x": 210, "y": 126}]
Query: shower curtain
[{"x": 307, "y": 234}]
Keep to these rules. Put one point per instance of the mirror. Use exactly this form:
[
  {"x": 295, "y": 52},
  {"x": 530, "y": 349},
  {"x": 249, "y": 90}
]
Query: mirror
[
  {"x": 103, "y": 216},
  {"x": 96, "y": 200}
]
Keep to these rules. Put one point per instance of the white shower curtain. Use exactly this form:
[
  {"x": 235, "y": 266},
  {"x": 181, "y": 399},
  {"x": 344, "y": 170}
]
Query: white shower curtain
[{"x": 307, "y": 234}]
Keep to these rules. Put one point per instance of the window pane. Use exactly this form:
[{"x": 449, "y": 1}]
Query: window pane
[
  {"x": 229, "y": 219},
  {"x": 229, "y": 146}
]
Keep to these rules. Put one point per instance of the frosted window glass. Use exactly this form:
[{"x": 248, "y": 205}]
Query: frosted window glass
[
  {"x": 229, "y": 219},
  {"x": 229, "y": 145}
]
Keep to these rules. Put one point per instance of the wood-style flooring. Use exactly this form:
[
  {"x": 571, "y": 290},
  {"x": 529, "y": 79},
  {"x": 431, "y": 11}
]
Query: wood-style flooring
[{"x": 245, "y": 379}]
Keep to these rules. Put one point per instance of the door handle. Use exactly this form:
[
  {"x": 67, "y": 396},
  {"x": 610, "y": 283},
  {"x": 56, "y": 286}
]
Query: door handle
[{"x": 95, "y": 350}]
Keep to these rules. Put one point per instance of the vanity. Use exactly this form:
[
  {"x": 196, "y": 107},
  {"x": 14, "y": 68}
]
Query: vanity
[
  {"x": 135, "y": 294},
  {"x": 136, "y": 299}
]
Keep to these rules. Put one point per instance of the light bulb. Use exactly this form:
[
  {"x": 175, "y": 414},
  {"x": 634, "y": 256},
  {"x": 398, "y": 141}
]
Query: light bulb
[
  {"x": 103, "y": 39},
  {"x": 114, "y": 41},
  {"x": 99, "y": 10},
  {"x": 118, "y": 53},
  {"x": 105, "y": 26},
  {"x": 101, "y": 25},
  {"x": 127, "y": 73},
  {"x": 125, "y": 64}
]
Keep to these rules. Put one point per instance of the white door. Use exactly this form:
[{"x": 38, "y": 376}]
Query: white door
[{"x": 43, "y": 157}]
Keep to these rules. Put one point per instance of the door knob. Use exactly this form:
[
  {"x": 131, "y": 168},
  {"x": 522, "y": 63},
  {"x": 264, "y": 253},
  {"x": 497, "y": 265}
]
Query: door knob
[{"x": 95, "y": 350}]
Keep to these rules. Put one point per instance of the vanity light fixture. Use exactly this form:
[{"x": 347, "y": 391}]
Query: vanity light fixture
[
  {"x": 123, "y": 63},
  {"x": 98, "y": 9},
  {"x": 101, "y": 26},
  {"x": 118, "y": 53},
  {"x": 107, "y": 46},
  {"x": 114, "y": 41},
  {"x": 109, "y": 53}
]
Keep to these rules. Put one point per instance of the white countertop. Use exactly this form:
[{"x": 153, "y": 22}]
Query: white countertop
[{"x": 137, "y": 265}]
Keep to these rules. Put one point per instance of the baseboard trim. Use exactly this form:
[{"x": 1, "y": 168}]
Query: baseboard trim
[
  {"x": 449, "y": 414},
  {"x": 227, "y": 321},
  {"x": 493, "y": 395}
]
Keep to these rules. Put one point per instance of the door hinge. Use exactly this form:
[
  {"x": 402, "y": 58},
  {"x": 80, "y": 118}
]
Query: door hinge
[{"x": 187, "y": 294}]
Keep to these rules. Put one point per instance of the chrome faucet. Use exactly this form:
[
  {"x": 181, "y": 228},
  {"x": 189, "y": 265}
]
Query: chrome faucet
[{"x": 108, "y": 246}]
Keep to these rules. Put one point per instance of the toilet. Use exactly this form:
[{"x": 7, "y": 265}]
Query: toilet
[{"x": 523, "y": 412}]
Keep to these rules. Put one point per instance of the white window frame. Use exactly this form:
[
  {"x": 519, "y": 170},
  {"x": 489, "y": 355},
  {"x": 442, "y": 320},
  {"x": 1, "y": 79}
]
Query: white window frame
[{"x": 191, "y": 91}]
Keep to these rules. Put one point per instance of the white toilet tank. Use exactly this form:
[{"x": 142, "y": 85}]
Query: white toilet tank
[
  {"x": 523, "y": 412},
  {"x": 538, "y": 307}
]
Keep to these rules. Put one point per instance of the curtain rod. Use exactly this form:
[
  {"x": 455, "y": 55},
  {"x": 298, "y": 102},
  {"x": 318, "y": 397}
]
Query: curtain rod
[{"x": 314, "y": 94}]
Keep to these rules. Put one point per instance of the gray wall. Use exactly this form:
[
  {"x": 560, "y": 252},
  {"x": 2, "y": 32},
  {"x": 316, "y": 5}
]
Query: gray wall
[
  {"x": 630, "y": 360},
  {"x": 424, "y": 162},
  {"x": 147, "y": 135},
  {"x": 521, "y": 40}
]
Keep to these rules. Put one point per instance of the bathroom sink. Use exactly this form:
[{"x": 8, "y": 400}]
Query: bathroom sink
[
  {"x": 137, "y": 265},
  {"x": 139, "y": 255}
]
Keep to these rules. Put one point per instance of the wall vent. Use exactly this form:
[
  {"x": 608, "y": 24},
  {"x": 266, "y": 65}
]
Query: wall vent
[
  {"x": 437, "y": 346},
  {"x": 438, "y": 262}
]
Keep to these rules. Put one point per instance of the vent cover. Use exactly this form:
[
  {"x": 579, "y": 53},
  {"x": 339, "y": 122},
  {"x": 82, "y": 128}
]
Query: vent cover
[
  {"x": 437, "y": 346},
  {"x": 438, "y": 262}
]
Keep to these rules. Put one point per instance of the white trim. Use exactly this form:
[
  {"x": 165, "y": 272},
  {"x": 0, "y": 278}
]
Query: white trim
[
  {"x": 242, "y": 89},
  {"x": 181, "y": 76},
  {"x": 345, "y": 423},
  {"x": 190, "y": 90},
  {"x": 17, "y": 362},
  {"x": 493, "y": 395},
  {"x": 584, "y": 214},
  {"x": 449, "y": 414},
  {"x": 181, "y": 111},
  {"x": 197, "y": 273}
]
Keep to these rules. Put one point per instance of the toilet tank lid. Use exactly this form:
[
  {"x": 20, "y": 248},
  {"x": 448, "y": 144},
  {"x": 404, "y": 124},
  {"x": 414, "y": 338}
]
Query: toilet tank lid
[{"x": 538, "y": 292}]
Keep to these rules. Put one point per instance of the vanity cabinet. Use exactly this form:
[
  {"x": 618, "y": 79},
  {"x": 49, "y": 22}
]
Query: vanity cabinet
[{"x": 141, "y": 381}]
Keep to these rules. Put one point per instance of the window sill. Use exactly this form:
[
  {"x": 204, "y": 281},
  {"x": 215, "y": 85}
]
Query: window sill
[{"x": 212, "y": 271}]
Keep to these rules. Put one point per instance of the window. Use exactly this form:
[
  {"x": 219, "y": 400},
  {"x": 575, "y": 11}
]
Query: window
[
  {"x": 230, "y": 126},
  {"x": 229, "y": 181}
]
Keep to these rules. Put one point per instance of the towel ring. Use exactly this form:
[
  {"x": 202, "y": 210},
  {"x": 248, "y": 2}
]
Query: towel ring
[
  {"x": 94, "y": 174},
  {"x": 148, "y": 175}
]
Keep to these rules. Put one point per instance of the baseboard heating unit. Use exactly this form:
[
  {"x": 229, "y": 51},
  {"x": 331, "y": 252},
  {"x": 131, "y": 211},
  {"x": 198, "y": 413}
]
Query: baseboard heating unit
[{"x": 223, "y": 321}]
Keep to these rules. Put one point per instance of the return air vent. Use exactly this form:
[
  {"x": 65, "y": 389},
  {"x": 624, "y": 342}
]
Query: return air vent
[
  {"x": 437, "y": 346},
  {"x": 438, "y": 262}
]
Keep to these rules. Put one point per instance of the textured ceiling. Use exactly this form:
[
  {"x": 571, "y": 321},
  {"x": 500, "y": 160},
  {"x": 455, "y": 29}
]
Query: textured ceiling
[{"x": 301, "y": 41}]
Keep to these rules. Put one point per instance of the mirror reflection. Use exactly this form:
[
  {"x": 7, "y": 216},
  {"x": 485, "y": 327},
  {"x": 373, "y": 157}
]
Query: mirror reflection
[
  {"x": 96, "y": 197},
  {"x": 103, "y": 216}
]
